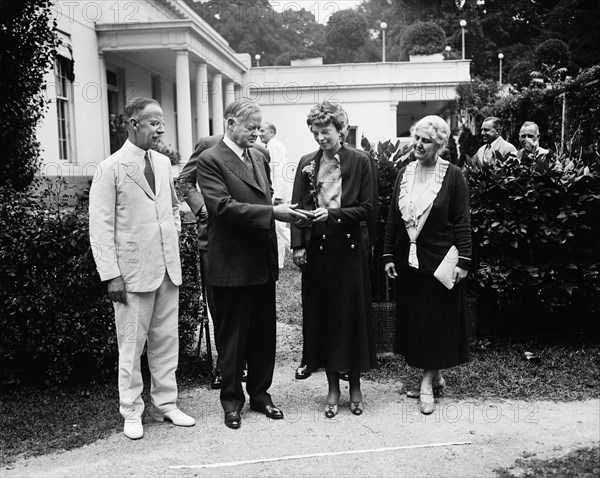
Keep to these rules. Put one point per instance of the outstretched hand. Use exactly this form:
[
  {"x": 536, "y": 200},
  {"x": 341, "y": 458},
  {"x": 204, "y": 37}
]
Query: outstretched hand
[{"x": 288, "y": 213}]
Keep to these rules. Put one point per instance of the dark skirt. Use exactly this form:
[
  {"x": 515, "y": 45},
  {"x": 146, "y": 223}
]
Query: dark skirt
[
  {"x": 431, "y": 326},
  {"x": 336, "y": 299}
]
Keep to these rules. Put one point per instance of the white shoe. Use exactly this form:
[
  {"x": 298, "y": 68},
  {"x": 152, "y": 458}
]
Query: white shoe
[
  {"x": 176, "y": 417},
  {"x": 133, "y": 429}
]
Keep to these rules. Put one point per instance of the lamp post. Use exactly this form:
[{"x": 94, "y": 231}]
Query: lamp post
[
  {"x": 463, "y": 24},
  {"x": 500, "y": 56},
  {"x": 383, "y": 26},
  {"x": 257, "y": 58},
  {"x": 448, "y": 50}
]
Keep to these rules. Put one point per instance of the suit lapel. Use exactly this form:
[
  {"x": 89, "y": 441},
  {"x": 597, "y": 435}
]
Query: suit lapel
[
  {"x": 236, "y": 166},
  {"x": 135, "y": 171}
]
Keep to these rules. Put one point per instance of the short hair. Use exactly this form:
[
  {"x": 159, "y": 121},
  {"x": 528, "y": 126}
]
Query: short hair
[
  {"x": 137, "y": 105},
  {"x": 497, "y": 122},
  {"x": 270, "y": 127},
  {"x": 438, "y": 129},
  {"x": 531, "y": 123},
  {"x": 240, "y": 109},
  {"x": 326, "y": 113}
]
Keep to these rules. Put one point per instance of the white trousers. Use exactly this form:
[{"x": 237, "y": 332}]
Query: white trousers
[
  {"x": 151, "y": 317},
  {"x": 283, "y": 240}
]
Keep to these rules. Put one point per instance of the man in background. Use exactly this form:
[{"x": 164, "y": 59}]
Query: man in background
[
  {"x": 495, "y": 147},
  {"x": 282, "y": 177},
  {"x": 529, "y": 138}
]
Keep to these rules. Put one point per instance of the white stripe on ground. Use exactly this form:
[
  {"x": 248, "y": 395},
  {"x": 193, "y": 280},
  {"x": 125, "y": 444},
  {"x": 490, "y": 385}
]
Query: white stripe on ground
[{"x": 315, "y": 455}]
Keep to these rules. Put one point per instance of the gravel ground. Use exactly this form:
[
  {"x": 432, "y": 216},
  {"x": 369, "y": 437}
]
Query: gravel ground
[{"x": 462, "y": 438}]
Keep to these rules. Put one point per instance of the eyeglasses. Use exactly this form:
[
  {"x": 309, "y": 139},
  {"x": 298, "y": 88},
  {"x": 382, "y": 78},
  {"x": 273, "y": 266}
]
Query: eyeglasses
[{"x": 154, "y": 123}]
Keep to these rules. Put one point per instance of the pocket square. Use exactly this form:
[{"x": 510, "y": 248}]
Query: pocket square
[{"x": 445, "y": 270}]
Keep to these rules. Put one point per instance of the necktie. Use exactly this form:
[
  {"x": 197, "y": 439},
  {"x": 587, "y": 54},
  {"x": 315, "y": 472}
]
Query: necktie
[
  {"x": 248, "y": 162},
  {"x": 487, "y": 154},
  {"x": 148, "y": 173}
]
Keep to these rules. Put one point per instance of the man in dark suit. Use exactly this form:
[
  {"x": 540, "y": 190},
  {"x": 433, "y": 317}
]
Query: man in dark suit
[
  {"x": 242, "y": 259},
  {"x": 193, "y": 198}
]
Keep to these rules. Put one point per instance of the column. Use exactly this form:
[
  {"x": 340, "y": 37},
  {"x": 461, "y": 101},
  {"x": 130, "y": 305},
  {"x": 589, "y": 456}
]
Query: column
[
  {"x": 393, "y": 121},
  {"x": 229, "y": 92},
  {"x": 217, "y": 103},
  {"x": 104, "y": 89},
  {"x": 202, "y": 100},
  {"x": 184, "y": 106}
]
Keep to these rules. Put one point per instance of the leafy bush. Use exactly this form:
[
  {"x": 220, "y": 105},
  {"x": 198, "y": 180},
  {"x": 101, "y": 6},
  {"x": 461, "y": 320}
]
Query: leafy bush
[
  {"x": 55, "y": 314},
  {"x": 535, "y": 233},
  {"x": 172, "y": 154},
  {"x": 422, "y": 38},
  {"x": 520, "y": 74},
  {"x": 27, "y": 38}
]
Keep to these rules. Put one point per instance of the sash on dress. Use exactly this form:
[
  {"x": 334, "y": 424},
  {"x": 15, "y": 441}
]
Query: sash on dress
[{"x": 416, "y": 208}]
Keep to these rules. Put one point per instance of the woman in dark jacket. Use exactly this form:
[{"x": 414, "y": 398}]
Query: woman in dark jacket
[
  {"x": 429, "y": 213},
  {"x": 335, "y": 183}
]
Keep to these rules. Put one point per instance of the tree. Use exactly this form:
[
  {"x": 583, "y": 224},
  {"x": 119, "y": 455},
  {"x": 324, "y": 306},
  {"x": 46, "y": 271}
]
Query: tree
[
  {"x": 422, "y": 38},
  {"x": 28, "y": 42},
  {"x": 347, "y": 31}
]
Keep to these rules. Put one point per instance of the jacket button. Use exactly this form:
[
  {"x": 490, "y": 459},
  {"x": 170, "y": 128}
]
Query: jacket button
[
  {"x": 320, "y": 248},
  {"x": 339, "y": 220},
  {"x": 324, "y": 236},
  {"x": 348, "y": 236},
  {"x": 352, "y": 246}
]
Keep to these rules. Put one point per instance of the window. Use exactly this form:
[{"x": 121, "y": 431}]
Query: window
[
  {"x": 351, "y": 138},
  {"x": 156, "y": 88},
  {"x": 64, "y": 106}
]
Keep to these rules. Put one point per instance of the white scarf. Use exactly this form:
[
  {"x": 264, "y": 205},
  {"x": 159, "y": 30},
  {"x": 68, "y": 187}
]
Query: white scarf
[{"x": 415, "y": 209}]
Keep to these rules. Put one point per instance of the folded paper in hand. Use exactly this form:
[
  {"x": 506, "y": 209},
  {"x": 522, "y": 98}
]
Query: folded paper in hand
[{"x": 445, "y": 270}]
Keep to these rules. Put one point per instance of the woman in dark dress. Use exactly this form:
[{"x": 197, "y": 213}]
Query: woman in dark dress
[
  {"x": 429, "y": 213},
  {"x": 335, "y": 183}
]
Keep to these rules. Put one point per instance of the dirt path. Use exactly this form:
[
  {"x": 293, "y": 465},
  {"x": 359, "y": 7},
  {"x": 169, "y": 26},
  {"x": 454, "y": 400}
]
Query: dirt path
[{"x": 498, "y": 433}]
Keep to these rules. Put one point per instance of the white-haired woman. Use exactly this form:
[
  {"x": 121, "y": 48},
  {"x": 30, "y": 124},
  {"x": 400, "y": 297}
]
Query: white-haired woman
[
  {"x": 335, "y": 183},
  {"x": 429, "y": 213}
]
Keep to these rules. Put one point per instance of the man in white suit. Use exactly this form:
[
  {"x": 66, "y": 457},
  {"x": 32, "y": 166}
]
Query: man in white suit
[
  {"x": 134, "y": 225},
  {"x": 495, "y": 147}
]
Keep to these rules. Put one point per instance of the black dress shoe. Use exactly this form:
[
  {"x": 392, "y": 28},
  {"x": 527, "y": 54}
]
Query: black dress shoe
[
  {"x": 270, "y": 411},
  {"x": 302, "y": 372},
  {"x": 216, "y": 383},
  {"x": 233, "y": 420},
  {"x": 345, "y": 376}
]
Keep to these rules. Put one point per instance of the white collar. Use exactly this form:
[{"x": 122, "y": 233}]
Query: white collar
[
  {"x": 132, "y": 150},
  {"x": 234, "y": 147}
]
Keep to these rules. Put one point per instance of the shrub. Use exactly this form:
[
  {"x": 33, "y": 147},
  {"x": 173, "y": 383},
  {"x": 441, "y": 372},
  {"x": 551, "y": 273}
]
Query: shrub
[
  {"x": 520, "y": 74},
  {"x": 27, "y": 38},
  {"x": 422, "y": 38},
  {"x": 535, "y": 233},
  {"x": 56, "y": 315}
]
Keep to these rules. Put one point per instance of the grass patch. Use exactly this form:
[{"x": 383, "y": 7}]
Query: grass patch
[
  {"x": 562, "y": 373},
  {"x": 582, "y": 462},
  {"x": 37, "y": 421}
]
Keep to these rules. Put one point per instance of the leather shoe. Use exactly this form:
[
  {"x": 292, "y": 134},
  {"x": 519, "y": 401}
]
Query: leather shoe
[
  {"x": 302, "y": 372},
  {"x": 270, "y": 411},
  {"x": 345, "y": 376},
  {"x": 427, "y": 403},
  {"x": 176, "y": 417},
  {"x": 233, "y": 420},
  {"x": 216, "y": 383},
  {"x": 133, "y": 429}
]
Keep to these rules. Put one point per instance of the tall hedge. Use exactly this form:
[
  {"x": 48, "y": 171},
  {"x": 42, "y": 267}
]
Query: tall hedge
[
  {"x": 536, "y": 230},
  {"x": 28, "y": 42},
  {"x": 54, "y": 311}
]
